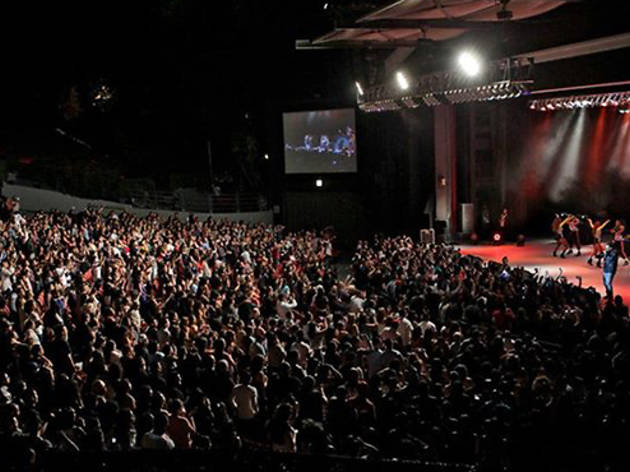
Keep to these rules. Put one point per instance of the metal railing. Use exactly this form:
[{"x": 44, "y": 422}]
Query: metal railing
[
  {"x": 238, "y": 202},
  {"x": 199, "y": 202}
]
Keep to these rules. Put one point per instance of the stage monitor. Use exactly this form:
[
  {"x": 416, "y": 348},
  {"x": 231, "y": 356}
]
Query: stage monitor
[{"x": 320, "y": 142}]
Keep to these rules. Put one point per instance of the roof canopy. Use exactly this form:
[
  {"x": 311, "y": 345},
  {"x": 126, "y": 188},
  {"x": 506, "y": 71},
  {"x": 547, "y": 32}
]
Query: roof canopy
[{"x": 408, "y": 22}]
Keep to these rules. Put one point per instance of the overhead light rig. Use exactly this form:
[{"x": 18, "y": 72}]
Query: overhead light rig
[
  {"x": 620, "y": 100},
  {"x": 501, "y": 80}
]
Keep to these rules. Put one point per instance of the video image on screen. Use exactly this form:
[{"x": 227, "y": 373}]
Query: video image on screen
[{"x": 320, "y": 141}]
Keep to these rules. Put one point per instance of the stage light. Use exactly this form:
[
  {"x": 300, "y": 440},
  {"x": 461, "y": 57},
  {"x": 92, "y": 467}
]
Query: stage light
[
  {"x": 319, "y": 183},
  {"x": 403, "y": 83},
  {"x": 469, "y": 63},
  {"x": 266, "y": 157},
  {"x": 359, "y": 88},
  {"x": 496, "y": 237},
  {"x": 325, "y": 6}
]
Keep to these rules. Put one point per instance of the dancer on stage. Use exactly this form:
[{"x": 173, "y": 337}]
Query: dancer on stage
[
  {"x": 558, "y": 231},
  {"x": 574, "y": 234},
  {"x": 618, "y": 237},
  {"x": 598, "y": 249}
]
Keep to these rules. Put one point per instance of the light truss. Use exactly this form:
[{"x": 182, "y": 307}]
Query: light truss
[
  {"x": 504, "y": 79},
  {"x": 482, "y": 93},
  {"x": 621, "y": 100}
]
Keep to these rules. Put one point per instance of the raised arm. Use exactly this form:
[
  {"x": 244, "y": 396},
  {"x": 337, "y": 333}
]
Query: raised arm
[{"x": 565, "y": 221}]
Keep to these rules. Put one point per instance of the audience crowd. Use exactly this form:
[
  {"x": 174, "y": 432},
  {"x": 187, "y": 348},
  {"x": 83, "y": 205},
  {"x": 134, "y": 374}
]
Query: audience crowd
[{"x": 119, "y": 332}]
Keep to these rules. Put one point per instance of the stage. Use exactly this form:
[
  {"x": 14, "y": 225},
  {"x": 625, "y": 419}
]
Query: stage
[{"x": 537, "y": 254}]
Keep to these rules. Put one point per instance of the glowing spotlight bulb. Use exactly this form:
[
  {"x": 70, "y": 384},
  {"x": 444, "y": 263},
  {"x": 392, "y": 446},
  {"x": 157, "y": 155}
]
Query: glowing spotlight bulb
[
  {"x": 359, "y": 88},
  {"x": 402, "y": 80},
  {"x": 469, "y": 63}
]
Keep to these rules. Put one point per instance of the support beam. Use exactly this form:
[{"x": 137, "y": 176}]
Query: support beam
[
  {"x": 305, "y": 44},
  {"x": 583, "y": 48},
  {"x": 445, "y": 23},
  {"x": 396, "y": 57},
  {"x": 445, "y": 166}
]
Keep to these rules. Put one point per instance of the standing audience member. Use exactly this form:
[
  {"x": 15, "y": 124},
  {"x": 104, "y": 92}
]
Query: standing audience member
[{"x": 119, "y": 332}]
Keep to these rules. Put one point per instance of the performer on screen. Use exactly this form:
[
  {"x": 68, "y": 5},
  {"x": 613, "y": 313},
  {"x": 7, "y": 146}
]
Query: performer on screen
[
  {"x": 598, "y": 248},
  {"x": 324, "y": 143},
  {"x": 352, "y": 141},
  {"x": 308, "y": 142}
]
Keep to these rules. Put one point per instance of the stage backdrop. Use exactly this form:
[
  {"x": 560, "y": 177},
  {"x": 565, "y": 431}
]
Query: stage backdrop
[{"x": 574, "y": 160}]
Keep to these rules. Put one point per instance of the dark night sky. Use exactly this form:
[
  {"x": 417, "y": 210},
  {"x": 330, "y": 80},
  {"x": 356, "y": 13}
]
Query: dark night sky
[{"x": 182, "y": 71}]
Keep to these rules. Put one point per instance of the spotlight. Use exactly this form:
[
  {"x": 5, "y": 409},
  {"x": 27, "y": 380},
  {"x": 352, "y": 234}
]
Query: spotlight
[
  {"x": 496, "y": 237},
  {"x": 403, "y": 83},
  {"x": 325, "y": 6},
  {"x": 266, "y": 157},
  {"x": 469, "y": 63},
  {"x": 319, "y": 183},
  {"x": 359, "y": 88}
]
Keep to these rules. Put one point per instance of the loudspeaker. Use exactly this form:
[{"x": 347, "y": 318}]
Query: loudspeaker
[
  {"x": 427, "y": 236},
  {"x": 441, "y": 234},
  {"x": 440, "y": 227},
  {"x": 467, "y": 217}
]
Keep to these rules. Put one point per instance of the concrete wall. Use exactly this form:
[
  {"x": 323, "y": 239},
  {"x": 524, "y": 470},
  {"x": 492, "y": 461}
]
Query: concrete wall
[{"x": 35, "y": 199}]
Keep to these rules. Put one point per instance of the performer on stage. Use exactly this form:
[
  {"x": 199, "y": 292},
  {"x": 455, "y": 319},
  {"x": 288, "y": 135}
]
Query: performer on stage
[
  {"x": 618, "y": 237},
  {"x": 502, "y": 223},
  {"x": 610, "y": 267},
  {"x": 558, "y": 231},
  {"x": 574, "y": 234},
  {"x": 598, "y": 248},
  {"x": 486, "y": 222}
]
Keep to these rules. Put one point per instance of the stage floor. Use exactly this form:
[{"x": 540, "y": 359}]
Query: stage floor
[{"x": 537, "y": 253}]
